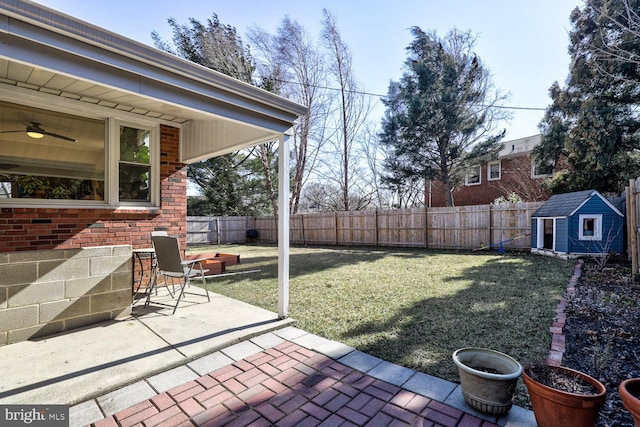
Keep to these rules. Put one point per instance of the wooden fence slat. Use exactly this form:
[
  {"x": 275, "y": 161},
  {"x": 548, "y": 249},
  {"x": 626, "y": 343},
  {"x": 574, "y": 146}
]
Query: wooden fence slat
[{"x": 464, "y": 227}]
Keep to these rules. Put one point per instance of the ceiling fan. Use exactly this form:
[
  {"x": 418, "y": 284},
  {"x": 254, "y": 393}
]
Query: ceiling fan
[{"x": 34, "y": 130}]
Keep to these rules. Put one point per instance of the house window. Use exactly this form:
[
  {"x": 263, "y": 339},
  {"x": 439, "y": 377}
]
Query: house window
[
  {"x": 61, "y": 159},
  {"x": 46, "y": 155},
  {"x": 590, "y": 227},
  {"x": 134, "y": 168},
  {"x": 493, "y": 171},
  {"x": 473, "y": 177},
  {"x": 541, "y": 169}
]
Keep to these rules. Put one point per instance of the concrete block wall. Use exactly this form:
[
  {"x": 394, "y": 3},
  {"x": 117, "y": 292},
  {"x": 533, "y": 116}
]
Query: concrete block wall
[
  {"x": 63, "y": 268},
  {"x": 45, "y": 292}
]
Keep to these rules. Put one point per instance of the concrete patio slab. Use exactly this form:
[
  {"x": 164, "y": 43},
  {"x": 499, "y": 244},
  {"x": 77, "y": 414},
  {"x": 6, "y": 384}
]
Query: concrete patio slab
[
  {"x": 74, "y": 366},
  {"x": 65, "y": 368}
]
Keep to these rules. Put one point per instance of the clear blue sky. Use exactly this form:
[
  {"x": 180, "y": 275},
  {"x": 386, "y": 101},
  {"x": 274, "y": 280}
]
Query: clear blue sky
[{"x": 523, "y": 42}]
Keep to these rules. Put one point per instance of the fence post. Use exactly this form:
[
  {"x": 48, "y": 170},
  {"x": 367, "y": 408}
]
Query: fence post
[
  {"x": 491, "y": 227},
  {"x": 426, "y": 226},
  {"x": 376, "y": 228},
  {"x": 627, "y": 203},
  {"x": 632, "y": 226}
]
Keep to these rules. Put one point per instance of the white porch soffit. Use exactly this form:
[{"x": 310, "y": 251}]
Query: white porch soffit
[{"x": 49, "y": 52}]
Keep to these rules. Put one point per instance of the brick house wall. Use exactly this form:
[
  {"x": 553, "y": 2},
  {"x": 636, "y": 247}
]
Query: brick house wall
[
  {"x": 515, "y": 177},
  {"x": 91, "y": 246}
]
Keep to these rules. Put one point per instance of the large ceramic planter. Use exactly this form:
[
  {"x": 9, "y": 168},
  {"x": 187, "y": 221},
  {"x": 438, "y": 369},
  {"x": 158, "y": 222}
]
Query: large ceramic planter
[
  {"x": 557, "y": 408},
  {"x": 488, "y": 378},
  {"x": 630, "y": 395}
]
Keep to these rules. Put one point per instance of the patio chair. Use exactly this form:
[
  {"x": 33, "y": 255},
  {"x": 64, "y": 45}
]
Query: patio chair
[{"x": 171, "y": 265}]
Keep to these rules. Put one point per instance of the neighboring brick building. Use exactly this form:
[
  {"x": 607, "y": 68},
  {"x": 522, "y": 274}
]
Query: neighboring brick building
[
  {"x": 513, "y": 172},
  {"x": 95, "y": 133}
]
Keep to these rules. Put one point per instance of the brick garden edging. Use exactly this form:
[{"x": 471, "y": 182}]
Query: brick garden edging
[{"x": 557, "y": 335}]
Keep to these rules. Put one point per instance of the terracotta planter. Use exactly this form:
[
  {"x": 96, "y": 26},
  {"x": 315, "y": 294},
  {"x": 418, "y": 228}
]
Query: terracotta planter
[
  {"x": 630, "y": 395},
  {"x": 556, "y": 408},
  {"x": 487, "y": 392}
]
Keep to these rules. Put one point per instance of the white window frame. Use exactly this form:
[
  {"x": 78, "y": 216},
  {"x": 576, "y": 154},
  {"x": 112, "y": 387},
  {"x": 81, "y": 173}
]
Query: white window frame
[
  {"x": 534, "y": 170},
  {"x": 113, "y": 119},
  {"x": 489, "y": 165},
  {"x": 154, "y": 160},
  {"x": 467, "y": 176},
  {"x": 597, "y": 226}
]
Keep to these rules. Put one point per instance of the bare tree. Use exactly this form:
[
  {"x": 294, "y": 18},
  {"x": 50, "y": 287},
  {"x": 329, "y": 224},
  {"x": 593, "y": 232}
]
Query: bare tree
[
  {"x": 292, "y": 66},
  {"x": 352, "y": 106}
]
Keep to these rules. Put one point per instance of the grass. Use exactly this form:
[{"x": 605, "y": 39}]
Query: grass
[{"x": 412, "y": 307}]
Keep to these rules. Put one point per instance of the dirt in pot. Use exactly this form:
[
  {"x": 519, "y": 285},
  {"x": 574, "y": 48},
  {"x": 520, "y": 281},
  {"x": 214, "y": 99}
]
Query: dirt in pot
[
  {"x": 486, "y": 369},
  {"x": 560, "y": 380}
]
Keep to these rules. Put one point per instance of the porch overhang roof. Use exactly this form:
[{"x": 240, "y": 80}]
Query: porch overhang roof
[{"x": 48, "y": 52}]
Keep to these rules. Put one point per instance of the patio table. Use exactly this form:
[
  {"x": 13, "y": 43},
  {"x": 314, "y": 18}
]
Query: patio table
[{"x": 139, "y": 254}]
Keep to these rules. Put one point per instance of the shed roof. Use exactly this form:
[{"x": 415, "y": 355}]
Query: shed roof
[{"x": 566, "y": 204}]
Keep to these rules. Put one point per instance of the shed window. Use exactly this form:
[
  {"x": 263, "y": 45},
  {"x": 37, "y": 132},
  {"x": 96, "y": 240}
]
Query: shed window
[
  {"x": 473, "y": 177},
  {"x": 590, "y": 227}
]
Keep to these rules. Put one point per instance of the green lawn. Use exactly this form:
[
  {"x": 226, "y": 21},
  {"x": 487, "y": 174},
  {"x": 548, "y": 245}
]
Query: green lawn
[{"x": 412, "y": 307}]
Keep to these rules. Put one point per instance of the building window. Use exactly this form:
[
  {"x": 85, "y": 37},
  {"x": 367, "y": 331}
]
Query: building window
[
  {"x": 473, "y": 177},
  {"x": 493, "y": 171},
  {"x": 46, "y": 155},
  {"x": 541, "y": 169},
  {"x": 61, "y": 159},
  {"x": 590, "y": 227},
  {"x": 134, "y": 169}
]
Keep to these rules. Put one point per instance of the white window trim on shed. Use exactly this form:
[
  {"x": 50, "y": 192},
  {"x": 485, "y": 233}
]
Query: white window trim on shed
[{"x": 597, "y": 227}]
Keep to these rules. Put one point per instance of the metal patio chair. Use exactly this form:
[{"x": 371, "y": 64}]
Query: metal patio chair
[{"x": 170, "y": 265}]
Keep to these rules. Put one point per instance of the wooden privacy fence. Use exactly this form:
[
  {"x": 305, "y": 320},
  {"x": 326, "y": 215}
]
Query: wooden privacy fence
[
  {"x": 465, "y": 227},
  {"x": 632, "y": 204}
]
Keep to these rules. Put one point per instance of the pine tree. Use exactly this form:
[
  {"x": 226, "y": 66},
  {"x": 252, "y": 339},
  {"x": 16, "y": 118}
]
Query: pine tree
[
  {"x": 440, "y": 117},
  {"x": 592, "y": 125}
]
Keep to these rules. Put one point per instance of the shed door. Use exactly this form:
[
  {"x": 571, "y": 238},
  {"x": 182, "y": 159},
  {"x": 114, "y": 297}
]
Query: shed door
[{"x": 548, "y": 234}]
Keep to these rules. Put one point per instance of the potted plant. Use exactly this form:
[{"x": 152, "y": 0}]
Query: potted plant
[
  {"x": 561, "y": 396},
  {"x": 33, "y": 186},
  {"x": 630, "y": 394},
  {"x": 487, "y": 378}
]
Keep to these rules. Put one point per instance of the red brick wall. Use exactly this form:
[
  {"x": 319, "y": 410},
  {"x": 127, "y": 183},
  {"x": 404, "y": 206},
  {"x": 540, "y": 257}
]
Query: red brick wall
[
  {"x": 515, "y": 177},
  {"x": 24, "y": 229}
]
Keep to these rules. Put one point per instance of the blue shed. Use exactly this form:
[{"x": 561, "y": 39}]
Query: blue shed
[{"x": 580, "y": 223}]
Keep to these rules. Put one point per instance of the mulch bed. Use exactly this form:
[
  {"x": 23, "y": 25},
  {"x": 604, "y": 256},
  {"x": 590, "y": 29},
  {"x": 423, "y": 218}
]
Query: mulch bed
[{"x": 603, "y": 332}]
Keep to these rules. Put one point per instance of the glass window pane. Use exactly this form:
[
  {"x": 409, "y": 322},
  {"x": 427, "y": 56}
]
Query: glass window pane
[
  {"x": 134, "y": 145},
  {"x": 134, "y": 182},
  {"x": 494, "y": 170},
  {"x": 50, "y": 155}
]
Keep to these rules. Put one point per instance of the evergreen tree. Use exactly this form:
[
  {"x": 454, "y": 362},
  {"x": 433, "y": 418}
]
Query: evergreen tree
[
  {"x": 591, "y": 129},
  {"x": 230, "y": 184},
  {"x": 440, "y": 117}
]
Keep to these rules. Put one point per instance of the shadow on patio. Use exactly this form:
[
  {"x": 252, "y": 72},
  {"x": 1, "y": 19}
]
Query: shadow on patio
[{"x": 74, "y": 366}]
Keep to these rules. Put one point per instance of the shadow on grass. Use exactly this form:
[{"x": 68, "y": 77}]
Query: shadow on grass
[
  {"x": 508, "y": 306},
  {"x": 318, "y": 259},
  {"x": 414, "y": 307}
]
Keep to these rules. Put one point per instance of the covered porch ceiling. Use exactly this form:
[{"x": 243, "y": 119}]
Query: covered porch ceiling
[{"x": 46, "y": 53}]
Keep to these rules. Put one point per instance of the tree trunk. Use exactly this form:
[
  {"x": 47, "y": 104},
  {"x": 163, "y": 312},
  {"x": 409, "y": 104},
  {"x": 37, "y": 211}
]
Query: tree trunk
[{"x": 267, "y": 176}]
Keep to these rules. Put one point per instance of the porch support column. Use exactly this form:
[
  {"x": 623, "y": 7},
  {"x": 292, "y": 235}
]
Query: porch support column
[{"x": 283, "y": 226}]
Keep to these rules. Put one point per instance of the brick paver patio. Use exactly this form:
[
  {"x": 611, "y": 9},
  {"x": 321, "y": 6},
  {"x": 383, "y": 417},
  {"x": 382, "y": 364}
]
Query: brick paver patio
[{"x": 289, "y": 385}]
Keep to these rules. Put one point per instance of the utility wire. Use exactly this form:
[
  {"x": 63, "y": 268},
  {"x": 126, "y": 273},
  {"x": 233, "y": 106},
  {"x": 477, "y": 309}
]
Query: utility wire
[{"x": 377, "y": 95}]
